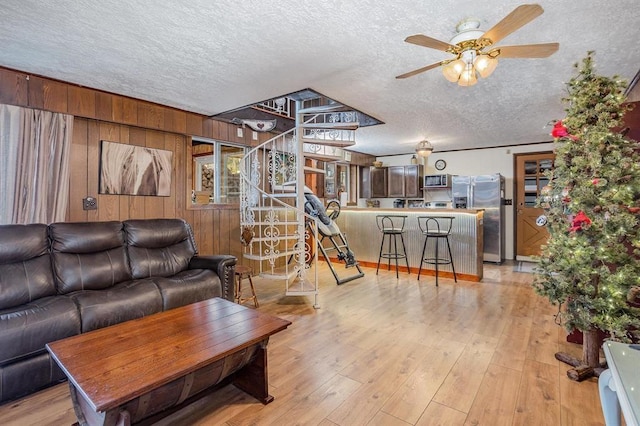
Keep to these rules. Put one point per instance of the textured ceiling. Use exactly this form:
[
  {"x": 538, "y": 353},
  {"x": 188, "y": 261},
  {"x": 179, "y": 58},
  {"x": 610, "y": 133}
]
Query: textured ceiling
[{"x": 212, "y": 56}]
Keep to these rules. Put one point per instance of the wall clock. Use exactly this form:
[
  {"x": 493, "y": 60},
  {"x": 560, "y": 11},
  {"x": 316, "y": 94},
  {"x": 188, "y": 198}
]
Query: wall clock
[{"x": 440, "y": 164}]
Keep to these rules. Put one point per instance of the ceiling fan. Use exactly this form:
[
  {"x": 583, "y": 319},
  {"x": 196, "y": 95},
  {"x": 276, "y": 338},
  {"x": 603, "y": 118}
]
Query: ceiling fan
[{"x": 475, "y": 51}]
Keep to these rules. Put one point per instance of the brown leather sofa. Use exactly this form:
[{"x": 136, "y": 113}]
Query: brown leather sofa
[{"x": 63, "y": 279}]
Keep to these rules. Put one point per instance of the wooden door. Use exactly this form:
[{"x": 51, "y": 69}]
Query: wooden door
[{"x": 530, "y": 180}]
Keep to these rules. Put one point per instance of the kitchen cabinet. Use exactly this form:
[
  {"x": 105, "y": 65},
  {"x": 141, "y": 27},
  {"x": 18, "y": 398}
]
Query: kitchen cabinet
[
  {"x": 373, "y": 182},
  {"x": 413, "y": 180},
  {"x": 395, "y": 175},
  {"x": 378, "y": 179},
  {"x": 405, "y": 181}
]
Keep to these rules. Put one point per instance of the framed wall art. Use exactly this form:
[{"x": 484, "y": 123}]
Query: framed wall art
[{"x": 135, "y": 170}]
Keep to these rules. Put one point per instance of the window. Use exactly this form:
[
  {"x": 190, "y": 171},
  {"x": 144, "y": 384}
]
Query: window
[
  {"x": 216, "y": 172},
  {"x": 535, "y": 179}
]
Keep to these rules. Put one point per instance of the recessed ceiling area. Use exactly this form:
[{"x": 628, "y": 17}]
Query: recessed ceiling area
[
  {"x": 284, "y": 114},
  {"x": 210, "y": 57}
]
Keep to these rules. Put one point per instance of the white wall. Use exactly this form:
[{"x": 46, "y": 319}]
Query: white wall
[{"x": 474, "y": 162}]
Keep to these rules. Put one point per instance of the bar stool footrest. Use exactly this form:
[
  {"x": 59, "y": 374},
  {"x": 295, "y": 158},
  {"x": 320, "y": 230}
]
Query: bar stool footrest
[
  {"x": 439, "y": 261},
  {"x": 393, "y": 256}
]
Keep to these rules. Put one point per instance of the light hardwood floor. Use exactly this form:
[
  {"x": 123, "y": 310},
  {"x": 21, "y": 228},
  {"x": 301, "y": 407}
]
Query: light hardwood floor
[{"x": 387, "y": 351}]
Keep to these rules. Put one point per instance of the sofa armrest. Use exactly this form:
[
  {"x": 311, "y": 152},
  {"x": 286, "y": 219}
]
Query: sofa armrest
[{"x": 224, "y": 265}]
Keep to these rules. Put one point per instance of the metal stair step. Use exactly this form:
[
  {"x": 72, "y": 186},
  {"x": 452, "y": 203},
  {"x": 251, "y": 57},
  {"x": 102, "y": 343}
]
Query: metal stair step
[
  {"x": 337, "y": 142},
  {"x": 325, "y": 108},
  {"x": 332, "y": 126},
  {"x": 281, "y": 195},
  {"x": 282, "y": 237},
  {"x": 289, "y": 186},
  {"x": 268, "y": 208},
  {"x": 261, "y": 257},
  {"x": 280, "y": 222}
]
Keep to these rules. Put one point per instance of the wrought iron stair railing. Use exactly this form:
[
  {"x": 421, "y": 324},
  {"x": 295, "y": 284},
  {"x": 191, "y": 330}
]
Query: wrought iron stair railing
[{"x": 272, "y": 216}]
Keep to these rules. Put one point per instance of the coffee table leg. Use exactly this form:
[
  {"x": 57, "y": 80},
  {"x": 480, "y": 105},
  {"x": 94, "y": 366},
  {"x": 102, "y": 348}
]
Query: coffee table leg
[
  {"x": 87, "y": 416},
  {"x": 77, "y": 408},
  {"x": 254, "y": 378}
]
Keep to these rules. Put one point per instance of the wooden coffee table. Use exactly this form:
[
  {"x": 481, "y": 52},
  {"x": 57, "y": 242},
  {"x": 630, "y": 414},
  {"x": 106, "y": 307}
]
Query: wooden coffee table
[{"x": 127, "y": 372}]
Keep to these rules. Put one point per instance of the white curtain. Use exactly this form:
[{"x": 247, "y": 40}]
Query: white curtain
[{"x": 34, "y": 159}]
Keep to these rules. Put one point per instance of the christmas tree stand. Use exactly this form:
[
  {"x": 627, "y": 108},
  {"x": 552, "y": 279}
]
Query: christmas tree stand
[{"x": 583, "y": 369}]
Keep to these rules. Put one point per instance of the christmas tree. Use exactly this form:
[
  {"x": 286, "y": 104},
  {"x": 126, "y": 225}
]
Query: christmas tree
[{"x": 590, "y": 266}]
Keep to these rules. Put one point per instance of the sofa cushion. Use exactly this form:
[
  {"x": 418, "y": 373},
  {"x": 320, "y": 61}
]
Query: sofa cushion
[
  {"x": 159, "y": 247},
  {"x": 122, "y": 302},
  {"x": 25, "y": 265},
  {"x": 25, "y": 330},
  {"x": 88, "y": 256},
  {"x": 187, "y": 287}
]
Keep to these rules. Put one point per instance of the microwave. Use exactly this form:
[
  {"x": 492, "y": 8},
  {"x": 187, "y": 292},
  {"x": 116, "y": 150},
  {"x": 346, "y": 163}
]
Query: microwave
[{"x": 437, "y": 181}]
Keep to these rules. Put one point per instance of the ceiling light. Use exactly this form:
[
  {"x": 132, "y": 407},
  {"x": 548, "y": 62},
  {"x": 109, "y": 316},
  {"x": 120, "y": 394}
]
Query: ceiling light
[
  {"x": 424, "y": 148},
  {"x": 470, "y": 61},
  {"x": 453, "y": 70},
  {"x": 469, "y": 64},
  {"x": 468, "y": 76},
  {"x": 485, "y": 64}
]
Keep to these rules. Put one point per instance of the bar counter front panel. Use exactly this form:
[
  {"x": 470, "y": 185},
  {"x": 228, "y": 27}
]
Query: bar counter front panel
[{"x": 364, "y": 237}]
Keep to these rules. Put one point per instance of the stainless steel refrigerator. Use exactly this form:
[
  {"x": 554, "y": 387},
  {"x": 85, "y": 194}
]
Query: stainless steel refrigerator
[{"x": 484, "y": 192}]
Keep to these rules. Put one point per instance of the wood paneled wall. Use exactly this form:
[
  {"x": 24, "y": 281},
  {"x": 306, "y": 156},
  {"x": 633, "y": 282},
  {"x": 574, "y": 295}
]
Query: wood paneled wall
[
  {"x": 360, "y": 159},
  {"x": 217, "y": 228},
  {"x": 104, "y": 116}
]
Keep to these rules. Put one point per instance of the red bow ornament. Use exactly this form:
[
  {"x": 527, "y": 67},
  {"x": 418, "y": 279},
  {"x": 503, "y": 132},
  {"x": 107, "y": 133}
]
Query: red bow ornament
[
  {"x": 579, "y": 222},
  {"x": 560, "y": 131}
]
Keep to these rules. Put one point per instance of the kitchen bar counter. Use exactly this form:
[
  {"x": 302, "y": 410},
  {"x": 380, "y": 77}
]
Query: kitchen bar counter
[
  {"x": 402, "y": 210},
  {"x": 364, "y": 237}
]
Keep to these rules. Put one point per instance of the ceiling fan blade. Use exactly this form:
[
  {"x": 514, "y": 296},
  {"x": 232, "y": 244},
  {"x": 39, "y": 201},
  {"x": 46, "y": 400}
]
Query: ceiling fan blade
[
  {"x": 423, "y": 40},
  {"x": 527, "y": 50},
  {"x": 520, "y": 16},
  {"x": 419, "y": 70}
]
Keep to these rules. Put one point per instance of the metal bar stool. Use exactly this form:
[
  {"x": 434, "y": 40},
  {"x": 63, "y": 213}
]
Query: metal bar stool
[
  {"x": 243, "y": 271},
  {"x": 439, "y": 228},
  {"x": 392, "y": 227}
]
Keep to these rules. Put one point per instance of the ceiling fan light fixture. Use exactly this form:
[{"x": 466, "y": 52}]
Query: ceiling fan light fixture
[
  {"x": 485, "y": 65},
  {"x": 468, "y": 76},
  {"x": 474, "y": 50},
  {"x": 424, "y": 148},
  {"x": 452, "y": 70}
]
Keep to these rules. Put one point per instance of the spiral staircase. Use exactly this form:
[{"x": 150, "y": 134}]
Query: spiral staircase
[{"x": 276, "y": 232}]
